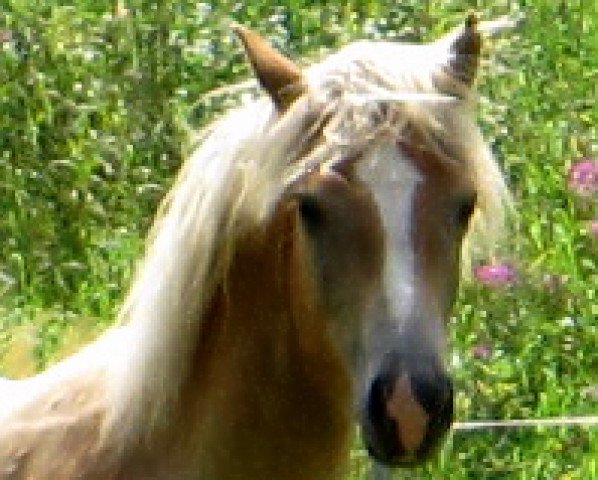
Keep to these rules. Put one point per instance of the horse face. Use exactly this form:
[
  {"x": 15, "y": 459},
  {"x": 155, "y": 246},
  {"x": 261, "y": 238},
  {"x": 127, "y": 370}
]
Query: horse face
[
  {"x": 384, "y": 239},
  {"x": 407, "y": 396},
  {"x": 388, "y": 261}
]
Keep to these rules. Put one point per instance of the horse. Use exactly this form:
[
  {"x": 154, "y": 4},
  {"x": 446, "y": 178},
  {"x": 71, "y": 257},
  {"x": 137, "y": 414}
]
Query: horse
[{"x": 298, "y": 277}]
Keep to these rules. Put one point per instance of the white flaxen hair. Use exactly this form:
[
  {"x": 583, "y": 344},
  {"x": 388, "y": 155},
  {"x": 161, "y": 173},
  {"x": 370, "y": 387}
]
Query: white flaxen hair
[{"x": 365, "y": 94}]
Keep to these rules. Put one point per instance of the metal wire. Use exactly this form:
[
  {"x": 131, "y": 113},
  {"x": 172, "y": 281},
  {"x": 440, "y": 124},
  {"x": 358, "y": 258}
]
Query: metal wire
[
  {"x": 586, "y": 421},
  {"x": 379, "y": 472}
]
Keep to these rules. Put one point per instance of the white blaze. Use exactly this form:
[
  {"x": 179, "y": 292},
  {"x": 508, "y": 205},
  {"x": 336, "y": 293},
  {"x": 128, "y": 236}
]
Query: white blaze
[{"x": 393, "y": 181}]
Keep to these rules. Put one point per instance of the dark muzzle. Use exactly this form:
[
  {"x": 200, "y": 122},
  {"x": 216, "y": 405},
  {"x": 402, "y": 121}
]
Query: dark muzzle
[{"x": 408, "y": 409}]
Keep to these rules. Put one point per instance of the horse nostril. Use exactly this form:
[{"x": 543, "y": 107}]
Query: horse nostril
[
  {"x": 379, "y": 430},
  {"x": 407, "y": 414},
  {"x": 437, "y": 398},
  {"x": 434, "y": 392}
]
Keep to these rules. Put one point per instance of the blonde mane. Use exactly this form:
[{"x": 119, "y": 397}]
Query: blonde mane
[{"x": 229, "y": 184}]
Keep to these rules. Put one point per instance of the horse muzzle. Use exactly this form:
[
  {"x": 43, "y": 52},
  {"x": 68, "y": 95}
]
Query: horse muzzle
[{"x": 408, "y": 409}]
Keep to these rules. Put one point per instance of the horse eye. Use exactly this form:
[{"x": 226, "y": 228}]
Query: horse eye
[
  {"x": 465, "y": 210},
  {"x": 310, "y": 210}
]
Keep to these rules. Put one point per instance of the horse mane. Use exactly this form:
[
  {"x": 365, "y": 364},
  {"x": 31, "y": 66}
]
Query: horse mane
[{"x": 354, "y": 100}]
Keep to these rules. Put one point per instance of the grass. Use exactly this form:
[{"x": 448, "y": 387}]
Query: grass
[{"x": 95, "y": 102}]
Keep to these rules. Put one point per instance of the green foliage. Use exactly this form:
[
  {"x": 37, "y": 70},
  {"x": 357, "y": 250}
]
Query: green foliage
[
  {"x": 95, "y": 101},
  {"x": 90, "y": 138}
]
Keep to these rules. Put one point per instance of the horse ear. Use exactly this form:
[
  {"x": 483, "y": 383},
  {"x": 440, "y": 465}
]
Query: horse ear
[
  {"x": 464, "y": 49},
  {"x": 278, "y": 75}
]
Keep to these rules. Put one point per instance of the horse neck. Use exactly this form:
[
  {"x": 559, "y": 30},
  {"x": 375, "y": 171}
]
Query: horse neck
[
  {"x": 266, "y": 308},
  {"x": 265, "y": 363}
]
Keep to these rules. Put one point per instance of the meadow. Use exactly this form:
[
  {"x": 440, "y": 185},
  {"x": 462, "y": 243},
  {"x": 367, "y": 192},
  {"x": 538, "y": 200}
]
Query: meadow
[{"x": 98, "y": 102}]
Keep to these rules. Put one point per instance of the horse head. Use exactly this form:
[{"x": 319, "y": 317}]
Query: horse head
[{"x": 385, "y": 212}]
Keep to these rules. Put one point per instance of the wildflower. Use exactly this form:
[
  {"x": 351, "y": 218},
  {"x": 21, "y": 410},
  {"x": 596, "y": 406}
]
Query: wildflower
[
  {"x": 589, "y": 228},
  {"x": 481, "y": 352},
  {"x": 5, "y": 36},
  {"x": 495, "y": 275},
  {"x": 583, "y": 177}
]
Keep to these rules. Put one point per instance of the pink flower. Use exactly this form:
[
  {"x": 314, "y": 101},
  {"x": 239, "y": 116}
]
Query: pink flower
[
  {"x": 496, "y": 275},
  {"x": 481, "y": 352},
  {"x": 583, "y": 177},
  {"x": 5, "y": 36},
  {"x": 593, "y": 228}
]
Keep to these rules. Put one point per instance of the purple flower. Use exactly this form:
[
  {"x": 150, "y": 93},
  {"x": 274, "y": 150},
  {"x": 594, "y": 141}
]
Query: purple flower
[
  {"x": 583, "y": 177},
  {"x": 593, "y": 229},
  {"x": 496, "y": 275},
  {"x": 481, "y": 352}
]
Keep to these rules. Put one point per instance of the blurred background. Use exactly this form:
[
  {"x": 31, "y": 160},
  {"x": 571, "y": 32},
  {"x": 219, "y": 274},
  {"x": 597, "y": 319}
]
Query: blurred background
[{"x": 98, "y": 102}]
